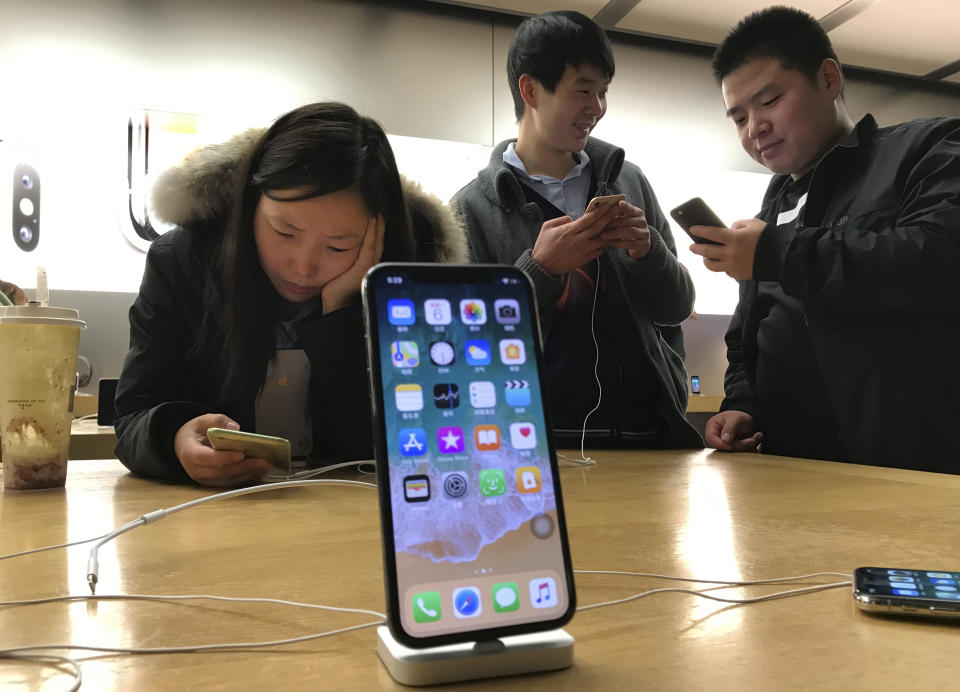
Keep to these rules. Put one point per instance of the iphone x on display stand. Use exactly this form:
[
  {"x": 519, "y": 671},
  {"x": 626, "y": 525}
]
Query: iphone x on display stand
[{"x": 474, "y": 539}]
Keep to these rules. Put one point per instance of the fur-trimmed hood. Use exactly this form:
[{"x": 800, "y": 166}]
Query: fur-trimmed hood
[{"x": 203, "y": 185}]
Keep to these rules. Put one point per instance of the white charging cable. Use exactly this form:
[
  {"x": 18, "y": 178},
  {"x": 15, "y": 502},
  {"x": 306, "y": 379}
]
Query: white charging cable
[
  {"x": 310, "y": 473},
  {"x": 93, "y": 566},
  {"x": 720, "y": 584},
  {"x": 39, "y": 653},
  {"x": 584, "y": 460}
]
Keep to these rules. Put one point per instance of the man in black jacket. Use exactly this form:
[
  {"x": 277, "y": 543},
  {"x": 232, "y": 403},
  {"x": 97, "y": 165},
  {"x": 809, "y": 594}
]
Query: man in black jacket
[{"x": 849, "y": 315}]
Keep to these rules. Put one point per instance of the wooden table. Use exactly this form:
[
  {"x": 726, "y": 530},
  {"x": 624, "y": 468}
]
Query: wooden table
[
  {"x": 683, "y": 513},
  {"x": 703, "y": 403}
]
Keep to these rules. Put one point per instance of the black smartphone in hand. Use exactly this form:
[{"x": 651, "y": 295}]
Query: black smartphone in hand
[
  {"x": 474, "y": 539},
  {"x": 695, "y": 212}
]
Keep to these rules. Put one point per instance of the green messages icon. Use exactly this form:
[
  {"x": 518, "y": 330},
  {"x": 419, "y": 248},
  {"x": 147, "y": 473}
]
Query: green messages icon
[
  {"x": 426, "y": 606},
  {"x": 505, "y": 597},
  {"x": 492, "y": 482}
]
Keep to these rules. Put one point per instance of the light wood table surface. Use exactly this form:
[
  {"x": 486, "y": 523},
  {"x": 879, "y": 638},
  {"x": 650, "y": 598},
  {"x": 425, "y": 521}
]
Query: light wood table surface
[
  {"x": 703, "y": 403},
  {"x": 702, "y": 514}
]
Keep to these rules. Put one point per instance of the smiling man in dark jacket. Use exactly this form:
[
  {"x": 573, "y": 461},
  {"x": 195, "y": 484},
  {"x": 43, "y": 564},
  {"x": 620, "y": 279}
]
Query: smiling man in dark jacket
[{"x": 849, "y": 315}]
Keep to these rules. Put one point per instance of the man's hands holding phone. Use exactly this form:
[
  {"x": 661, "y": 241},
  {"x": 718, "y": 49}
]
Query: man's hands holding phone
[
  {"x": 728, "y": 250},
  {"x": 564, "y": 244},
  {"x": 208, "y": 466},
  {"x": 629, "y": 231},
  {"x": 735, "y": 248}
]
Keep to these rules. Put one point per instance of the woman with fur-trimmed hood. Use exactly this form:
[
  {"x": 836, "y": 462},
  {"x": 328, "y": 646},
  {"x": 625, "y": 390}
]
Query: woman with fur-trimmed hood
[{"x": 248, "y": 315}]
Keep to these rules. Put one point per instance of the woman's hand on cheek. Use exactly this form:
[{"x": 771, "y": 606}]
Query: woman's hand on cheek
[{"x": 339, "y": 291}]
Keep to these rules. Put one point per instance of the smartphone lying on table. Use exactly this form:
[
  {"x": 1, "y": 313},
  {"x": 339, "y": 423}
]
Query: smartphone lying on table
[
  {"x": 695, "y": 212},
  {"x": 474, "y": 539},
  {"x": 276, "y": 450},
  {"x": 910, "y": 592}
]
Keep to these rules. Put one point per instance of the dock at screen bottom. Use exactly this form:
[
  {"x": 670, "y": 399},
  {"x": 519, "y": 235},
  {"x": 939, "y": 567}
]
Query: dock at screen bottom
[{"x": 484, "y": 602}]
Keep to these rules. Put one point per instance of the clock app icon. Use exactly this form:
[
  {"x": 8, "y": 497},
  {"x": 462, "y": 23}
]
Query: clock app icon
[{"x": 442, "y": 353}]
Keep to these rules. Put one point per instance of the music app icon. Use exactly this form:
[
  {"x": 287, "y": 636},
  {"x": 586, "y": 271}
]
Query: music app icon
[{"x": 543, "y": 592}]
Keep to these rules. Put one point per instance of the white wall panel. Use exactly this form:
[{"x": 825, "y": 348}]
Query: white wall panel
[{"x": 73, "y": 72}]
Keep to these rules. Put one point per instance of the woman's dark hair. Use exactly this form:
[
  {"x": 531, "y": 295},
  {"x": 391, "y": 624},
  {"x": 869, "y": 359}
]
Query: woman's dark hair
[{"x": 318, "y": 149}]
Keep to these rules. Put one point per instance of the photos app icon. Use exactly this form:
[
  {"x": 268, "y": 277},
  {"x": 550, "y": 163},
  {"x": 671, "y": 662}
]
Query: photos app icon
[{"x": 473, "y": 311}]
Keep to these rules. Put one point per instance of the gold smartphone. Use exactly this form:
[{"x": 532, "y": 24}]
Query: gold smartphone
[
  {"x": 598, "y": 202},
  {"x": 276, "y": 450}
]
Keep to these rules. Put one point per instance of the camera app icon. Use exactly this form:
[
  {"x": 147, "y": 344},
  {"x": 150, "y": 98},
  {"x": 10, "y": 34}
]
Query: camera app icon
[{"x": 507, "y": 311}]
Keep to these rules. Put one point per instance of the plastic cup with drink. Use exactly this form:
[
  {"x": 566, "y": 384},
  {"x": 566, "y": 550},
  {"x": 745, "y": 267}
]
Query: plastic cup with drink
[{"x": 38, "y": 362}]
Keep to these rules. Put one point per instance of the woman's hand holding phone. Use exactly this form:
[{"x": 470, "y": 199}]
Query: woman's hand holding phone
[
  {"x": 340, "y": 291},
  {"x": 208, "y": 466}
]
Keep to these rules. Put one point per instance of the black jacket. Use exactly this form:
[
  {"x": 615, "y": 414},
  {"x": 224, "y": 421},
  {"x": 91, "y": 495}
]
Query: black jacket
[
  {"x": 162, "y": 387},
  {"x": 875, "y": 262}
]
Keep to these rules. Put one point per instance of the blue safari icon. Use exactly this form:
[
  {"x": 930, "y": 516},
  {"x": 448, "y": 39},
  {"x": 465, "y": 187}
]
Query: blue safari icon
[{"x": 466, "y": 602}]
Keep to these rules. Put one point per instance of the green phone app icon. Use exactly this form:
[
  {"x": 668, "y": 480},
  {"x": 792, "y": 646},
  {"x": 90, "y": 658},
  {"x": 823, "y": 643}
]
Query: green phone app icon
[
  {"x": 506, "y": 597},
  {"x": 492, "y": 482},
  {"x": 426, "y": 606}
]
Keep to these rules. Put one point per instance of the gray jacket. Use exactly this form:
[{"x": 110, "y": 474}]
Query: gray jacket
[{"x": 502, "y": 228}]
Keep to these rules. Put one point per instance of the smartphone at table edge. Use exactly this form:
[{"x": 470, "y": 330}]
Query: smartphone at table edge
[
  {"x": 907, "y": 592},
  {"x": 461, "y": 437},
  {"x": 695, "y": 212}
]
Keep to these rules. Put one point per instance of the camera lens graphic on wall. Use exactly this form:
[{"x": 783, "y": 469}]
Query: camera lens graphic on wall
[
  {"x": 156, "y": 140},
  {"x": 25, "y": 223}
]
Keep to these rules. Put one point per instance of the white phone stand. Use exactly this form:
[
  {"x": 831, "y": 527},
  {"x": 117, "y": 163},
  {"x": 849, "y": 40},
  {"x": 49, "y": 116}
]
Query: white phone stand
[{"x": 522, "y": 653}]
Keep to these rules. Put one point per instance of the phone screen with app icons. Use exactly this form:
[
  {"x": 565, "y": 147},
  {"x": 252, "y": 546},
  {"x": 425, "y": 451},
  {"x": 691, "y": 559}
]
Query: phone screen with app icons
[
  {"x": 475, "y": 543},
  {"x": 909, "y": 583}
]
